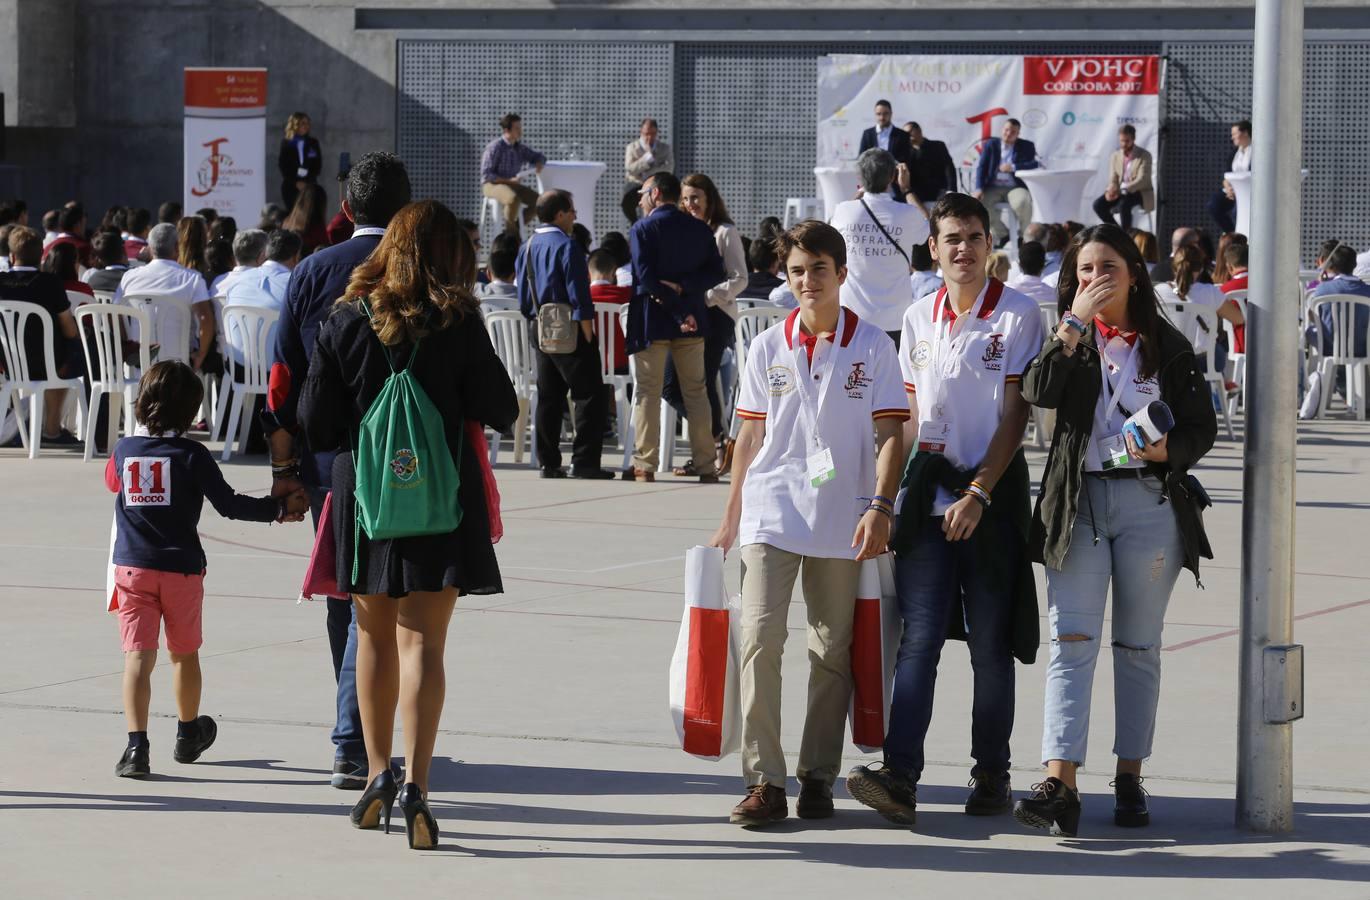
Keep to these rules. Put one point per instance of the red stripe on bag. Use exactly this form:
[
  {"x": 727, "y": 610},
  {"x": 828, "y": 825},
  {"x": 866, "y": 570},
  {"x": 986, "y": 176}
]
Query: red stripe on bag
[
  {"x": 867, "y": 669},
  {"x": 706, "y": 673}
]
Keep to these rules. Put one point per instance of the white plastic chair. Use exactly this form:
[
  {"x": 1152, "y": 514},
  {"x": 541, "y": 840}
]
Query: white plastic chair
[
  {"x": 104, "y": 296},
  {"x": 14, "y": 321},
  {"x": 612, "y": 318},
  {"x": 1343, "y": 309},
  {"x": 77, "y": 299},
  {"x": 1190, "y": 319},
  {"x": 509, "y": 333},
  {"x": 102, "y": 332},
  {"x": 251, "y": 330},
  {"x": 169, "y": 317},
  {"x": 750, "y": 323},
  {"x": 797, "y": 209}
]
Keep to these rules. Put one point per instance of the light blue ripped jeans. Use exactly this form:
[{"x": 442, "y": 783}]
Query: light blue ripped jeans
[{"x": 1139, "y": 549}]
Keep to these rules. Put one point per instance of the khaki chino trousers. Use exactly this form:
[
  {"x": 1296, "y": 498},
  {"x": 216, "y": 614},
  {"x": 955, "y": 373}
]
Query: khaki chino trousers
[
  {"x": 649, "y": 373},
  {"x": 768, "y": 577}
]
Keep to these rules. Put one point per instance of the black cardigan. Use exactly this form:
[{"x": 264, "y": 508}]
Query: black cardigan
[{"x": 1070, "y": 385}]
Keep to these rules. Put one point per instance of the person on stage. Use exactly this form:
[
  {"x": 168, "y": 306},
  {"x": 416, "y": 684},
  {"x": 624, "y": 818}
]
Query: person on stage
[
  {"x": 815, "y": 467},
  {"x": 642, "y": 159},
  {"x": 1129, "y": 181},
  {"x": 960, "y": 544},
  {"x": 300, "y": 159}
]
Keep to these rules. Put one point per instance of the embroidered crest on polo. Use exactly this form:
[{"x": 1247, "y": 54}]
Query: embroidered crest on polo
[
  {"x": 780, "y": 379},
  {"x": 920, "y": 354}
]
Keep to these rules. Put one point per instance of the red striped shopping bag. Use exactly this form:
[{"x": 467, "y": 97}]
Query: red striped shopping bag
[
  {"x": 876, "y": 629},
  {"x": 705, "y": 703}
]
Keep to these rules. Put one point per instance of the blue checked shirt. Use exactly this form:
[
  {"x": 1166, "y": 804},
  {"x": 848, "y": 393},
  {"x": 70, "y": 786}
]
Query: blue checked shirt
[{"x": 504, "y": 160}]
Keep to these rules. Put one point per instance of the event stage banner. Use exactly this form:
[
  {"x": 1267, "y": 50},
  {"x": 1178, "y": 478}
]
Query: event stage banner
[
  {"x": 1071, "y": 106},
  {"x": 225, "y": 142}
]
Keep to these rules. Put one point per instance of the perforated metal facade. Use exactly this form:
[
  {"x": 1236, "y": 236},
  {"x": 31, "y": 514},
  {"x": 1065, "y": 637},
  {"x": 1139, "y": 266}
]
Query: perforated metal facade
[
  {"x": 588, "y": 96},
  {"x": 744, "y": 114}
]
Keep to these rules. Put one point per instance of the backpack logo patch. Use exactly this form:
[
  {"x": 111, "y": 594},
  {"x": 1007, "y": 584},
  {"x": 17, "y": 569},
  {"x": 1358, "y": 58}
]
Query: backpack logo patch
[{"x": 405, "y": 465}]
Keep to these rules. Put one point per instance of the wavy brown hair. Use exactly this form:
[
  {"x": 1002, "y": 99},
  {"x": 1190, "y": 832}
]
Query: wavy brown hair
[
  {"x": 1142, "y": 311},
  {"x": 192, "y": 239},
  {"x": 1187, "y": 265},
  {"x": 420, "y": 276}
]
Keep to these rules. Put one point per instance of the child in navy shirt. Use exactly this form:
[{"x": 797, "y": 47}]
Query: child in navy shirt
[{"x": 162, "y": 480}]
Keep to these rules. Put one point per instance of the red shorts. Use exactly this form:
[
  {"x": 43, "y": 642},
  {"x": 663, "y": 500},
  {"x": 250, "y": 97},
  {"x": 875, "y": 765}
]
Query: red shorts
[{"x": 149, "y": 596}]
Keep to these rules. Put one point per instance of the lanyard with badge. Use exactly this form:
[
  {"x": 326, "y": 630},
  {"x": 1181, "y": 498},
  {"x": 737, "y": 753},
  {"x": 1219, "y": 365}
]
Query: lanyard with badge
[
  {"x": 820, "y": 466},
  {"x": 1113, "y": 448},
  {"x": 948, "y": 348}
]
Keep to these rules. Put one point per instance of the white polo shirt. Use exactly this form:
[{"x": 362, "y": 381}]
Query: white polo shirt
[
  {"x": 856, "y": 380},
  {"x": 877, "y": 287},
  {"x": 958, "y": 368}
]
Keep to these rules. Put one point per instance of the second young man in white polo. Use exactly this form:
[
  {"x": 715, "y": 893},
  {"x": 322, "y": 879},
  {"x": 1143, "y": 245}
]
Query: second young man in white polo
[
  {"x": 961, "y": 566},
  {"x": 815, "y": 467}
]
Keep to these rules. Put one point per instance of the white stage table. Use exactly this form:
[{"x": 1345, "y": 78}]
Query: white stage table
[
  {"x": 1241, "y": 193},
  {"x": 578, "y": 177},
  {"x": 1057, "y": 194},
  {"x": 835, "y": 185}
]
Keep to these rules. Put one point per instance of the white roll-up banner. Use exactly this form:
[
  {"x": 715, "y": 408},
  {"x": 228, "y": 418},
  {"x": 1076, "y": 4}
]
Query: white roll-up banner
[{"x": 225, "y": 142}]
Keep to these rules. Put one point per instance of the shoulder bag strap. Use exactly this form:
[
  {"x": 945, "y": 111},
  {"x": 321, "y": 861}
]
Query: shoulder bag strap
[
  {"x": 528, "y": 273},
  {"x": 886, "y": 233}
]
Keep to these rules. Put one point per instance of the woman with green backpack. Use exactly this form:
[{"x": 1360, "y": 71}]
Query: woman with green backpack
[{"x": 401, "y": 366}]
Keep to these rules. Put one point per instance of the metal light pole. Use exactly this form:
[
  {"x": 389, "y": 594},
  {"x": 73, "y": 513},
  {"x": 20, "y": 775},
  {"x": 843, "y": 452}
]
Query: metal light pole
[{"x": 1271, "y": 671}]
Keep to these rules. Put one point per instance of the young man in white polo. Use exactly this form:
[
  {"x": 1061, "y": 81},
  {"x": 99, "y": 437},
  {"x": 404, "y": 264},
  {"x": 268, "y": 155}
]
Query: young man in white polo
[
  {"x": 815, "y": 468},
  {"x": 961, "y": 566}
]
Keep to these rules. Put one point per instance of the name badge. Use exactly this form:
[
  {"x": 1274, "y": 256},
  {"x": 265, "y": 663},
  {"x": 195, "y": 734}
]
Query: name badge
[
  {"x": 821, "y": 468},
  {"x": 934, "y": 436},
  {"x": 302, "y": 172},
  {"x": 1113, "y": 452}
]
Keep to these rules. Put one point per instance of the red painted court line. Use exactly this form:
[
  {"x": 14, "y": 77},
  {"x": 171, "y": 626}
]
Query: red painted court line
[{"x": 1226, "y": 634}]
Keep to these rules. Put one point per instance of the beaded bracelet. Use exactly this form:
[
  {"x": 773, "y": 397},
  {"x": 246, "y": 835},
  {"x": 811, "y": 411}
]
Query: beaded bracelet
[
  {"x": 1071, "y": 321},
  {"x": 882, "y": 509}
]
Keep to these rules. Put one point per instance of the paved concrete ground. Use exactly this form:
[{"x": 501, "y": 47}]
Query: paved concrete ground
[{"x": 557, "y": 774}]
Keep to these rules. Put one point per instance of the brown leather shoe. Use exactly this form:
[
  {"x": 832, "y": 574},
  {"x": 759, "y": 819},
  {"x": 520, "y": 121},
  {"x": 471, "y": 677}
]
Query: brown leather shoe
[
  {"x": 815, "y": 799},
  {"x": 635, "y": 474},
  {"x": 764, "y": 804}
]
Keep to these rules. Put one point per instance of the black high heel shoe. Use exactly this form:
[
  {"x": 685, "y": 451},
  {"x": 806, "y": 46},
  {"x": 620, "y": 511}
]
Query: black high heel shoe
[
  {"x": 1052, "y": 806},
  {"x": 374, "y": 806},
  {"x": 419, "y": 824}
]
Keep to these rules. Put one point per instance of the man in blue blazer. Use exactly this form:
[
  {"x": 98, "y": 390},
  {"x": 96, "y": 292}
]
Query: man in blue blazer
[
  {"x": 377, "y": 188},
  {"x": 995, "y": 181},
  {"x": 675, "y": 262}
]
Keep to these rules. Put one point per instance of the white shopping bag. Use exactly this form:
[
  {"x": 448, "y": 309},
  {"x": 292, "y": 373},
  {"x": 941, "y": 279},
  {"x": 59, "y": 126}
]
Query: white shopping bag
[
  {"x": 111, "y": 591},
  {"x": 705, "y": 698},
  {"x": 876, "y": 630}
]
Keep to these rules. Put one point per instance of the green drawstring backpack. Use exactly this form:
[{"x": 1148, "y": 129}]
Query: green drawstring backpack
[{"x": 406, "y": 479}]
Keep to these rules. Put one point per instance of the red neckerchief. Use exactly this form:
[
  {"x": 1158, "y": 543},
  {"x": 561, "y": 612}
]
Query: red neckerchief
[
  {"x": 1109, "y": 332},
  {"x": 809, "y": 342}
]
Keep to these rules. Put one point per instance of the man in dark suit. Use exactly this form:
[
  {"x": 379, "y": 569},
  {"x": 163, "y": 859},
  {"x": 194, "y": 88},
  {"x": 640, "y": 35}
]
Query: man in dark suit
[
  {"x": 995, "y": 181},
  {"x": 930, "y": 167},
  {"x": 675, "y": 262},
  {"x": 377, "y": 188},
  {"x": 885, "y": 136}
]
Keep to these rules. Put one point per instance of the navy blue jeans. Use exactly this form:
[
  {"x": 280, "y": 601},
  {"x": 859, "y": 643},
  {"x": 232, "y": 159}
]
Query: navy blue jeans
[
  {"x": 928, "y": 580},
  {"x": 342, "y": 643}
]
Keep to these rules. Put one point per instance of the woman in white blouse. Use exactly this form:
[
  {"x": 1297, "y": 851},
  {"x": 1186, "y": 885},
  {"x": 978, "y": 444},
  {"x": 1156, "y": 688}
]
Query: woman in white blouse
[
  {"x": 700, "y": 198},
  {"x": 1186, "y": 266}
]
